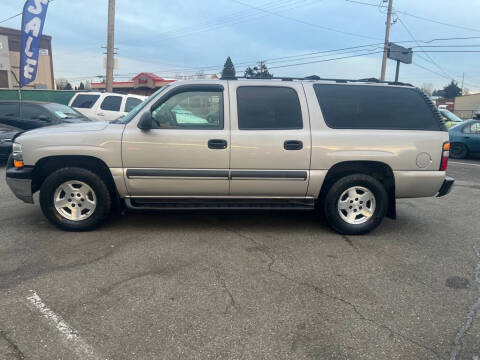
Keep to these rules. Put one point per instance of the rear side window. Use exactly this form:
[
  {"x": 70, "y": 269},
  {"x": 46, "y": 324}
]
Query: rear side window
[
  {"x": 131, "y": 103},
  {"x": 111, "y": 103},
  {"x": 8, "y": 110},
  {"x": 268, "y": 108},
  {"x": 376, "y": 107},
  {"x": 85, "y": 101}
]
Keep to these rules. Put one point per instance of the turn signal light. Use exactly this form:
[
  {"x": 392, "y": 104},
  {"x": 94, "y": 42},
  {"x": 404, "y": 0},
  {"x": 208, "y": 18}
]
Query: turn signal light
[
  {"x": 446, "y": 146},
  {"x": 18, "y": 163}
]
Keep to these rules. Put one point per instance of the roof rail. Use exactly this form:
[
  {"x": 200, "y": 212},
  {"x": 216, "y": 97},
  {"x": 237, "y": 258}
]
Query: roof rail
[{"x": 316, "y": 77}]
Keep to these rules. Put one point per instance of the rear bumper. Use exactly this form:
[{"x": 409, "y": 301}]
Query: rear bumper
[
  {"x": 446, "y": 186},
  {"x": 20, "y": 182}
]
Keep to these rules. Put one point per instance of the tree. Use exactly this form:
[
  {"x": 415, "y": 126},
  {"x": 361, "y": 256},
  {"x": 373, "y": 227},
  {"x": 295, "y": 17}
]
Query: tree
[
  {"x": 81, "y": 87},
  {"x": 258, "y": 72},
  {"x": 68, "y": 86},
  {"x": 437, "y": 93},
  {"x": 452, "y": 90},
  {"x": 228, "y": 69}
]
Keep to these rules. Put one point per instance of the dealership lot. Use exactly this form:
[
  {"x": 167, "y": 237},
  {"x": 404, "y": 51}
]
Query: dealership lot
[{"x": 243, "y": 285}]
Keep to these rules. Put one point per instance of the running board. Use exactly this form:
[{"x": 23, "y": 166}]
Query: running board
[{"x": 209, "y": 204}]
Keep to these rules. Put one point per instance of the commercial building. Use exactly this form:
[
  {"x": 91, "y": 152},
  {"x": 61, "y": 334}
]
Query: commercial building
[
  {"x": 142, "y": 84},
  {"x": 467, "y": 105},
  {"x": 10, "y": 45}
]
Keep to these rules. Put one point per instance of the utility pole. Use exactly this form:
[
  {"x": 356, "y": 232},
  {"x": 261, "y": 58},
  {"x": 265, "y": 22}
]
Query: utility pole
[
  {"x": 110, "y": 45},
  {"x": 387, "y": 39},
  {"x": 463, "y": 79}
]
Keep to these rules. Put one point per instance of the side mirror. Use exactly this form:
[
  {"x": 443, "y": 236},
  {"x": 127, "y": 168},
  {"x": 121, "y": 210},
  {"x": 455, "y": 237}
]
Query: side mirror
[{"x": 145, "y": 122}]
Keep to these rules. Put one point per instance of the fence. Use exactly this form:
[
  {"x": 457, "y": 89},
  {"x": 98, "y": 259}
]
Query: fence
[{"x": 57, "y": 96}]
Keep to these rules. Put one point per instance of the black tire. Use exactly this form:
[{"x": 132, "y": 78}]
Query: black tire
[
  {"x": 330, "y": 204},
  {"x": 103, "y": 198},
  {"x": 458, "y": 151}
]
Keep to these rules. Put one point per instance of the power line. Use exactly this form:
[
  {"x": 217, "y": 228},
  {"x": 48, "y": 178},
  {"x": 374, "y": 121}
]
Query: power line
[
  {"x": 326, "y": 60},
  {"x": 419, "y": 17},
  {"x": 304, "y": 22},
  {"x": 10, "y": 18}
]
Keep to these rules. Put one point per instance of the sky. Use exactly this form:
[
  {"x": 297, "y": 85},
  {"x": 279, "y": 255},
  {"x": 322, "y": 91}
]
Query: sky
[{"x": 183, "y": 37}]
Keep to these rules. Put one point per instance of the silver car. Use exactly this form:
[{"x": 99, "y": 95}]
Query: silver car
[{"x": 348, "y": 147}]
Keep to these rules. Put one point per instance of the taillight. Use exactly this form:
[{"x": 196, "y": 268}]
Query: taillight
[{"x": 445, "y": 155}]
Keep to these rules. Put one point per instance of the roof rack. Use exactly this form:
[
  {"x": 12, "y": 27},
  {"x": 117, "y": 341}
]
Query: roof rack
[{"x": 316, "y": 77}]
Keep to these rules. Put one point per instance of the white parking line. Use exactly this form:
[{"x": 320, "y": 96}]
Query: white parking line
[
  {"x": 462, "y": 163},
  {"x": 76, "y": 343}
]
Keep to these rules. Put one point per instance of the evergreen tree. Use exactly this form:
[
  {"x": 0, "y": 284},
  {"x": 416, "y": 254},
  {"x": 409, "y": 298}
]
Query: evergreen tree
[
  {"x": 228, "y": 69},
  {"x": 452, "y": 90},
  {"x": 81, "y": 87},
  {"x": 258, "y": 72}
]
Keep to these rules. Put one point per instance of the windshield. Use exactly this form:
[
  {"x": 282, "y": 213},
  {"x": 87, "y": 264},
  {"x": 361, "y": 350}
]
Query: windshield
[
  {"x": 63, "y": 111},
  {"x": 127, "y": 118},
  {"x": 450, "y": 116}
]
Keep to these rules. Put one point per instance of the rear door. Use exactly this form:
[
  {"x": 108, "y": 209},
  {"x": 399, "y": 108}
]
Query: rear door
[
  {"x": 270, "y": 154},
  {"x": 109, "y": 108}
]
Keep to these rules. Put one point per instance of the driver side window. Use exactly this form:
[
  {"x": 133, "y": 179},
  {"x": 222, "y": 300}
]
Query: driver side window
[{"x": 190, "y": 110}]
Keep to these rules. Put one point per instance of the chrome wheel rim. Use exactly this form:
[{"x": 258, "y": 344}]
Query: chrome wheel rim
[
  {"x": 356, "y": 205},
  {"x": 75, "y": 200}
]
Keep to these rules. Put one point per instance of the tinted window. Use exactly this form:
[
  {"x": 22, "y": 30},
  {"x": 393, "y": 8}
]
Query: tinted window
[
  {"x": 85, "y": 101},
  {"x": 375, "y": 107},
  {"x": 33, "y": 112},
  {"x": 268, "y": 108},
  {"x": 111, "y": 103},
  {"x": 473, "y": 128},
  {"x": 131, "y": 103},
  {"x": 190, "y": 110},
  {"x": 8, "y": 110}
]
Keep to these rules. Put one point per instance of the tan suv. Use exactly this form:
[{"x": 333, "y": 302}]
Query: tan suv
[{"x": 348, "y": 147}]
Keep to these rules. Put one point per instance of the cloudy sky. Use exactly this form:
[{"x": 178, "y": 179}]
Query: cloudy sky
[{"x": 293, "y": 36}]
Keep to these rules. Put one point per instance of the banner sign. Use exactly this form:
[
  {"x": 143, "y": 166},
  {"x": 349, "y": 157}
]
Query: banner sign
[{"x": 34, "y": 13}]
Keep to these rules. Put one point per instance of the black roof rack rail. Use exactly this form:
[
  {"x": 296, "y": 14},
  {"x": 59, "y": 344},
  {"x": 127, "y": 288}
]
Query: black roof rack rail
[{"x": 316, "y": 77}]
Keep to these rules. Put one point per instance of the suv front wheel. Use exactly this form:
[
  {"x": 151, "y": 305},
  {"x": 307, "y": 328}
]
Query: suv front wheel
[
  {"x": 355, "y": 204},
  {"x": 75, "y": 199}
]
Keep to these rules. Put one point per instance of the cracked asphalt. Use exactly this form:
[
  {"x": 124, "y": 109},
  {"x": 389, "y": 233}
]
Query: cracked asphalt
[{"x": 243, "y": 285}]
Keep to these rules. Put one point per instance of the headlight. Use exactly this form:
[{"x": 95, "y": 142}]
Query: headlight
[{"x": 17, "y": 155}]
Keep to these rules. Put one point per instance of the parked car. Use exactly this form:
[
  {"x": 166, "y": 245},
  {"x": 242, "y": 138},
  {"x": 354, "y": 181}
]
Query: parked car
[
  {"x": 27, "y": 115},
  {"x": 449, "y": 118},
  {"x": 465, "y": 139},
  {"x": 103, "y": 106},
  {"x": 6, "y": 140},
  {"x": 349, "y": 148}
]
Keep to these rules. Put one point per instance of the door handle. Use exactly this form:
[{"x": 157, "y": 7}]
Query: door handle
[
  {"x": 466, "y": 137},
  {"x": 293, "y": 145},
  {"x": 217, "y": 144},
  {"x": 101, "y": 114}
]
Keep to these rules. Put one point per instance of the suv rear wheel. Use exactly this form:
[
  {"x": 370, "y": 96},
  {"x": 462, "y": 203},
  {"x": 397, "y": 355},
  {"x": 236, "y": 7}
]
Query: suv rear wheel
[
  {"x": 355, "y": 204},
  {"x": 75, "y": 199}
]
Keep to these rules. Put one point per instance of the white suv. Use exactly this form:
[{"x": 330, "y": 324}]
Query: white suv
[{"x": 103, "y": 106}]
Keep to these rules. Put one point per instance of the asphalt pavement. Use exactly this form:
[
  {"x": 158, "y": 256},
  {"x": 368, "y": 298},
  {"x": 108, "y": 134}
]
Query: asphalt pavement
[{"x": 245, "y": 285}]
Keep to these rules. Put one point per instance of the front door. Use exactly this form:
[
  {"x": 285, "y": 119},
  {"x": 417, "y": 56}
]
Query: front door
[
  {"x": 271, "y": 144},
  {"x": 187, "y": 151},
  {"x": 471, "y": 133},
  {"x": 109, "y": 108}
]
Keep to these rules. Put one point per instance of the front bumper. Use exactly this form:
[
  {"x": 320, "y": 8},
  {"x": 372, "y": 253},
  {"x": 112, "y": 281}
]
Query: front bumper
[
  {"x": 446, "y": 186},
  {"x": 20, "y": 182}
]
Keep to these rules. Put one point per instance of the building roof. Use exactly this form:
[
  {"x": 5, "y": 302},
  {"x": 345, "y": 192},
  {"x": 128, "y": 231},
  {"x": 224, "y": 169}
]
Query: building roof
[
  {"x": 131, "y": 83},
  {"x": 14, "y": 32},
  {"x": 149, "y": 75}
]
